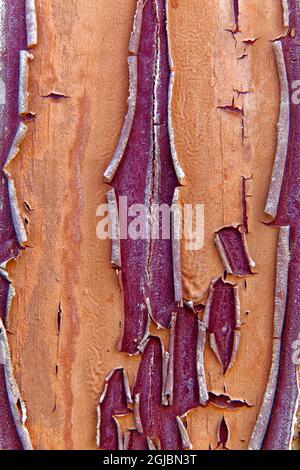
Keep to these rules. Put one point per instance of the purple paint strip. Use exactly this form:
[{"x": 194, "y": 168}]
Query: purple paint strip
[
  {"x": 146, "y": 176},
  {"x": 223, "y": 321},
  {"x": 183, "y": 379},
  {"x": 113, "y": 402}
]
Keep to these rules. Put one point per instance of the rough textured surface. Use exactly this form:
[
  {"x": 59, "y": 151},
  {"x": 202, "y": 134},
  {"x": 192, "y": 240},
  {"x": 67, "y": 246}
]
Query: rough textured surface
[{"x": 65, "y": 329}]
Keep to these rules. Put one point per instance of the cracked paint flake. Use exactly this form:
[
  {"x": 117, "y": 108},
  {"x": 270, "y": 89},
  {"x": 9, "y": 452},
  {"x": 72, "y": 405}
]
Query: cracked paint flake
[
  {"x": 232, "y": 246},
  {"x": 114, "y": 401},
  {"x": 23, "y": 97},
  {"x": 226, "y": 402},
  {"x": 185, "y": 385},
  {"x": 31, "y": 23},
  {"x": 222, "y": 315}
]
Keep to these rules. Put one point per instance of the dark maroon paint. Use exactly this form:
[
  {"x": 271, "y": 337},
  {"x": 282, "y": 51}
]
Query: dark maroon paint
[
  {"x": 186, "y": 390},
  {"x": 280, "y": 430},
  {"x": 222, "y": 320},
  {"x": 224, "y": 401},
  {"x": 236, "y": 9},
  {"x": 4, "y": 289},
  {"x": 159, "y": 421},
  {"x": 223, "y": 434},
  {"x": 232, "y": 243},
  {"x": 147, "y": 270},
  {"x": 113, "y": 404},
  {"x": 137, "y": 441}
]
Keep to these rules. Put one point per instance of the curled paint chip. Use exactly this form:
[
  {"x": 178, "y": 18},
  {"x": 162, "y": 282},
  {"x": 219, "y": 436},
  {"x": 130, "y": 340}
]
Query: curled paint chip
[
  {"x": 176, "y": 225},
  {"x": 13, "y": 433},
  {"x": 7, "y": 292},
  {"x": 114, "y": 228},
  {"x": 233, "y": 250},
  {"x": 23, "y": 97},
  {"x": 261, "y": 425},
  {"x": 186, "y": 443},
  {"x": 282, "y": 272},
  {"x": 222, "y": 315},
  {"x": 15, "y": 211},
  {"x": 286, "y": 13},
  {"x": 15, "y": 147},
  {"x": 178, "y": 169},
  {"x": 226, "y": 402},
  {"x": 31, "y": 23},
  {"x": 283, "y": 127},
  {"x": 135, "y": 37},
  {"x": 203, "y": 395},
  {"x": 125, "y": 133}
]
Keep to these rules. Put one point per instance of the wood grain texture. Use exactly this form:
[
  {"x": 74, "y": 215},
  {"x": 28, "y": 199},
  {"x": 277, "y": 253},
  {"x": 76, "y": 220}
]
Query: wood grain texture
[{"x": 65, "y": 321}]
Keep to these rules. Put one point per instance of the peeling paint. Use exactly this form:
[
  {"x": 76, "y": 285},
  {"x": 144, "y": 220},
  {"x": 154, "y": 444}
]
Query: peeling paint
[{"x": 31, "y": 23}]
